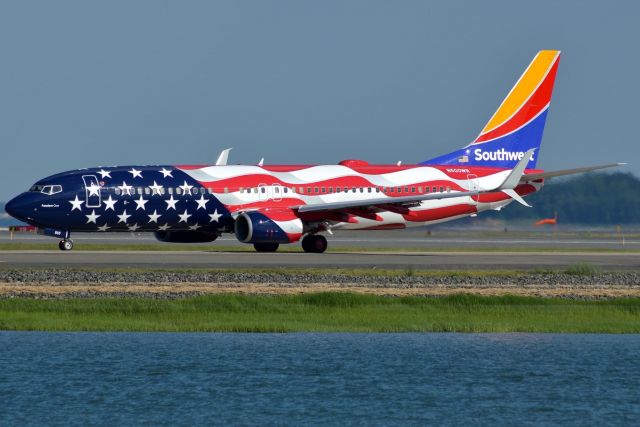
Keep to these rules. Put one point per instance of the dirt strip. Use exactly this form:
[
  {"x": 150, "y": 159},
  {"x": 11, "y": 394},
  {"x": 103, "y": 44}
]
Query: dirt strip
[{"x": 177, "y": 290}]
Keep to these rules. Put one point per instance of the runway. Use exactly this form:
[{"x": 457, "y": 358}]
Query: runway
[{"x": 396, "y": 260}]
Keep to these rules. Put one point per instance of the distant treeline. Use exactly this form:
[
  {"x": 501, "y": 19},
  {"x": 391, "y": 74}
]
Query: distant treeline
[{"x": 592, "y": 199}]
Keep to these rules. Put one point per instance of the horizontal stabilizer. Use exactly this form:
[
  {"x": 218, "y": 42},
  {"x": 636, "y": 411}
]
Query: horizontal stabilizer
[{"x": 553, "y": 174}]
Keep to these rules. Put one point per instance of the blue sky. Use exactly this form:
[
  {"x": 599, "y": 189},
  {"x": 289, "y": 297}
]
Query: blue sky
[{"x": 88, "y": 83}]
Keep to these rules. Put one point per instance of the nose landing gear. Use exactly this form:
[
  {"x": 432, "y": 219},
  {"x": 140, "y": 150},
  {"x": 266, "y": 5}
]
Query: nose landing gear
[
  {"x": 65, "y": 244},
  {"x": 314, "y": 243}
]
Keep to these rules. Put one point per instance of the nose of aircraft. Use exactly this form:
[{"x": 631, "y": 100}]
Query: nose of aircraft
[{"x": 17, "y": 207}]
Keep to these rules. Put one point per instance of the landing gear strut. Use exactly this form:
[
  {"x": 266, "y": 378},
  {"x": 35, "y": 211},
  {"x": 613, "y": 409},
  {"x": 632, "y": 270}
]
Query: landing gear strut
[
  {"x": 65, "y": 245},
  {"x": 314, "y": 243},
  {"x": 266, "y": 247}
]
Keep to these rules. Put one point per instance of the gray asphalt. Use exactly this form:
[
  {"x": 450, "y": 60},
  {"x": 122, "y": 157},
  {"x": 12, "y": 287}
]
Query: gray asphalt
[
  {"x": 405, "y": 260},
  {"x": 393, "y": 239}
]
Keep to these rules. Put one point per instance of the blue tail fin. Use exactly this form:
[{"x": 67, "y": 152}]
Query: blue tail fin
[{"x": 517, "y": 125}]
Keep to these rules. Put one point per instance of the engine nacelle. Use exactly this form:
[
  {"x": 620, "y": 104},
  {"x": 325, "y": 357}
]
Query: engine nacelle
[
  {"x": 271, "y": 225},
  {"x": 185, "y": 236}
]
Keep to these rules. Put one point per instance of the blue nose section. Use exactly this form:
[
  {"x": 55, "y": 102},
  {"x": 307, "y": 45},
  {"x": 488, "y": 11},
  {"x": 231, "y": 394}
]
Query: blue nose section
[{"x": 18, "y": 207}]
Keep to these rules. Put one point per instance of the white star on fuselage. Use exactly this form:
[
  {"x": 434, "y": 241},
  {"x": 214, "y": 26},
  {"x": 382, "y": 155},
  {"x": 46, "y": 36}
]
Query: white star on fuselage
[
  {"x": 104, "y": 173},
  {"x": 109, "y": 203},
  {"x": 171, "y": 203},
  {"x": 165, "y": 172},
  {"x": 202, "y": 203},
  {"x": 76, "y": 204},
  {"x": 155, "y": 188},
  {"x": 133, "y": 227},
  {"x": 140, "y": 202},
  {"x": 154, "y": 216},
  {"x": 94, "y": 190},
  {"x": 135, "y": 173},
  {"x": 215, "y": 216},
  {"x": 184, "y": 217},
  {"x": 92, "y": 217},
  {"x": 103, "y": 227},
  {"x": 125, "y": 188},
  {"x": 186, "y": 188},
  {"x": 194, "y": 226},
  {"x": 123, "y": 217},
  {"x": 164, "y": 227}
]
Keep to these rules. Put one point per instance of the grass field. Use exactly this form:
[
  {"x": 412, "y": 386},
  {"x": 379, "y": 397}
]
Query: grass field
[{"x": 324, "y": 312}]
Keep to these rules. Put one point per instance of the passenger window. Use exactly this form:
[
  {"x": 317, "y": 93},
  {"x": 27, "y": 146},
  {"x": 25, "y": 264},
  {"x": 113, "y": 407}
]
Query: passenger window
[
  {"x": 391, "y": 189},
  {"x": 170, "y": 190},
  {"x": 194, "y": 191},
  {"x": 419, "y": 189},
  {"x": 369, "y": 189},
  {"x": 309, "y": 190},
  {"x": 324, "y": 190},
  {"x": 210, "y": 190},
  {"x": 263, "y": 190},
  {"x": 413, "y": 189},
  {"x": 377, "y": 189},
  {"x": 434, "y": 189},
  {"x": 315, "y": 190},
  {"x": 406, "y": 189},
  {"x": 178, "y": 190},
  {"x": 362, "y": 189},
  {"x": 330, "y": 189},
  {"x": 226, "y": 190},
  {"x": 448, "y": 189},
  {"x": 146, "y": 190},
  {"x": 117, "y": 190},
  {"x": 442, "y": 189}
]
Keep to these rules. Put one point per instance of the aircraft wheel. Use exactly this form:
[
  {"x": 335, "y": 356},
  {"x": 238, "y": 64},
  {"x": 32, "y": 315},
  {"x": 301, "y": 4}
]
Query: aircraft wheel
[
  {"x": 65, "y": 245},
  {"x": 266, "y": 247},
  {"x": 314, "y": 243}
]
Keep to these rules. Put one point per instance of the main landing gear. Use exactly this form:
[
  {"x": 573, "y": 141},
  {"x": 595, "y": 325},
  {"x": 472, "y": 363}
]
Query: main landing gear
[
  {"x": 314, "y": 243},
  {"x": 65, "y": 244}
]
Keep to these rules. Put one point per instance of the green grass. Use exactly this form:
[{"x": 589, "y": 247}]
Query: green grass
[
  {"x": 214, "y": 247},
  {"x": 583, "y": 269},
  {"x": 323, "y": 312}
]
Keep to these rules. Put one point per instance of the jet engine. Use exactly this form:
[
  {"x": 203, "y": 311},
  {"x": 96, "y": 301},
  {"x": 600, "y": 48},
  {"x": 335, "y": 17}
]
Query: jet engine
[
  {"x": 185, "y": 236},
  {"x": 270, "y": 225}
]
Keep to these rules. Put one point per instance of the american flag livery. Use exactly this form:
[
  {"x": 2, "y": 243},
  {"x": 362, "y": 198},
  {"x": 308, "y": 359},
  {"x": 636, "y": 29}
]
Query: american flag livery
[{"x": 271, "y": 205}]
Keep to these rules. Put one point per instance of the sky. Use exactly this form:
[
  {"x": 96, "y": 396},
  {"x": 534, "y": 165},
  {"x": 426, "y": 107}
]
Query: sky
[{"x": 91, "y": 83}]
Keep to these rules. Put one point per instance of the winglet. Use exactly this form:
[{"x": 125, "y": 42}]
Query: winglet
[
  {"x": 512, "y": 180},
  {"x": 223, "y": 157}
]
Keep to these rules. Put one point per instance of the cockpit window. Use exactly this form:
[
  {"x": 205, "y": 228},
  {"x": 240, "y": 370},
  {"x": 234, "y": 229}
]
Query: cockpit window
[{"x": 47, "y": 189}]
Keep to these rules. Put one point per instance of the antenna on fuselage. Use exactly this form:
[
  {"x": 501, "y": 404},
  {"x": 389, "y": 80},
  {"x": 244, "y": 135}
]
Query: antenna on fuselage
[{"x": 261, "y": 162}]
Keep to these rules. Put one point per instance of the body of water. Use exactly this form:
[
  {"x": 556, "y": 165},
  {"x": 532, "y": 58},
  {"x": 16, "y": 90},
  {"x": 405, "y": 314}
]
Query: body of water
[{"x": 266, "y": 379}]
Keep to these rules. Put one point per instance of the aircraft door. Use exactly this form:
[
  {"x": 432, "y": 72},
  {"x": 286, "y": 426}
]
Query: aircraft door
[
  {"x": 474, "y": 185},
  {"x": 92, "y": 191}
]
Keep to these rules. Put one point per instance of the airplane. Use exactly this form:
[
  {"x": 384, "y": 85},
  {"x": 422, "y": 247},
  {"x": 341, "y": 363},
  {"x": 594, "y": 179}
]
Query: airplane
[{"x": 281, "y": 204}]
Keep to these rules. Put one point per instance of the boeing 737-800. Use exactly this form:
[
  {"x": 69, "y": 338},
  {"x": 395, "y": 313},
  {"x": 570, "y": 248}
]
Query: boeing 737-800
[{"x": 270, "y": 205}]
